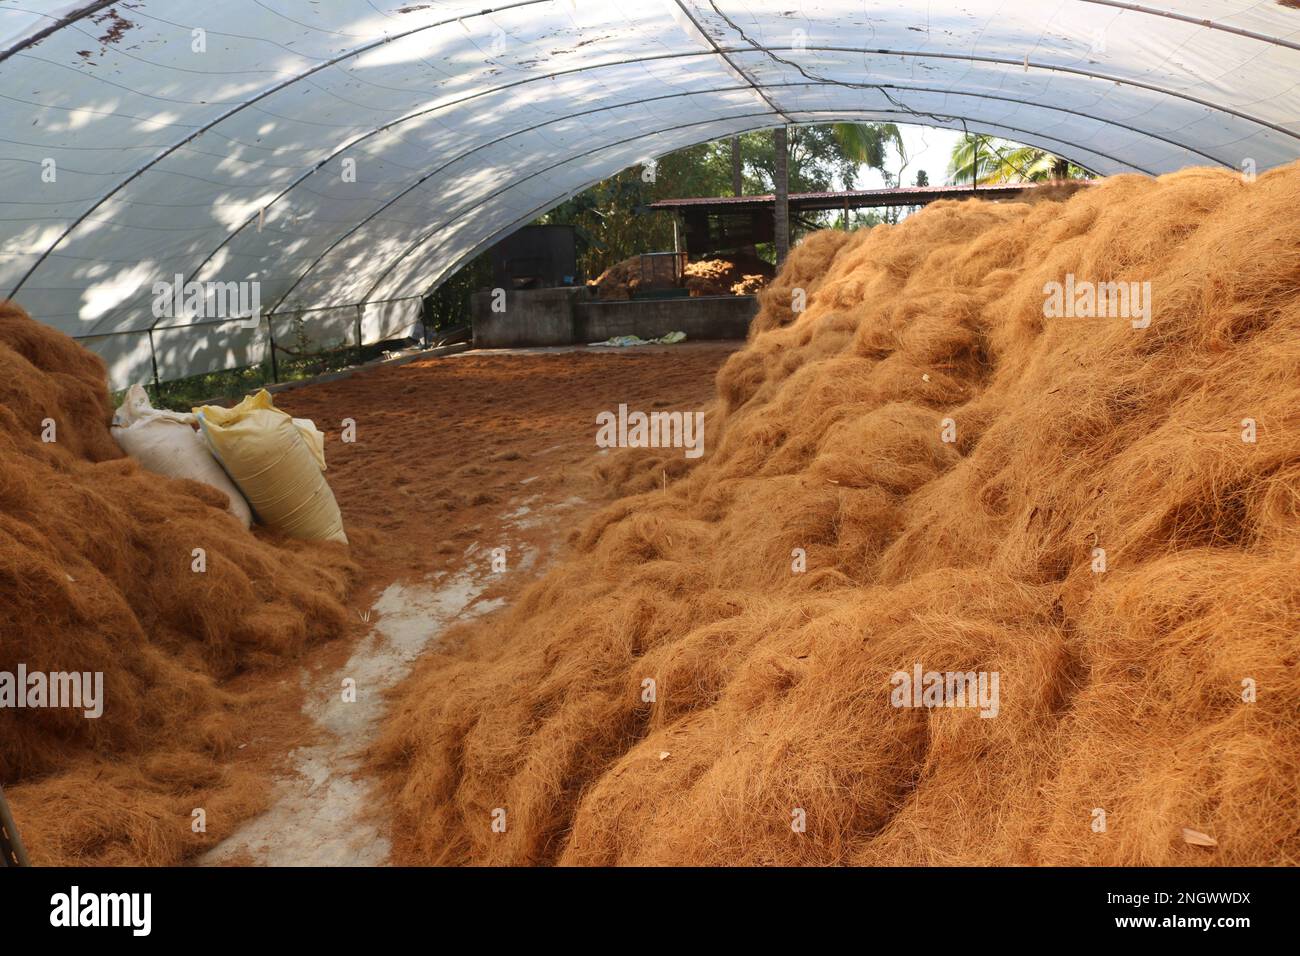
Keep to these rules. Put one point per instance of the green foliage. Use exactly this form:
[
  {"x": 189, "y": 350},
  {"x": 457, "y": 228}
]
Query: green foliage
[
  {"x": 609, "y": 226},
  {"x": 448, "y": 305},
  {"x": 869, "y": 144},
  {"x": 819, "y": 156},
  {"x": 607, "y": 213},
  {"x": 987, "y": 159},
  {"x": 230, "y": 385}
]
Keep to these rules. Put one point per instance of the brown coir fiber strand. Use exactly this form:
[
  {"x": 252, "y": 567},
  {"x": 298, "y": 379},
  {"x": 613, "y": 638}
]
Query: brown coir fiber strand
[
  {"x": 96, "y": 572},
  {"x": 1120, "y": 691}
]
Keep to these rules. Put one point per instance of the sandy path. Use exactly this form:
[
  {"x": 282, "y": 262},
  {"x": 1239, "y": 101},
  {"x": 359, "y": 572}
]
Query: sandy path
[{"x": 322, "y": 809}]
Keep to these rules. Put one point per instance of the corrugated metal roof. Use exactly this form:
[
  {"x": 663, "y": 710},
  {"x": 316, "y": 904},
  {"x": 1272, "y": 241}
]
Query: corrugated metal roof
[{"x": 856, "y": 198}]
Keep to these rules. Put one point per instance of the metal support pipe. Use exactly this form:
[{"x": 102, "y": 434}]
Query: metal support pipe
[
  {"x": 275, "y": 366},
  {"x": 359, "y": 307},
  {"x": 153, "y": 357},
  {"x": 12, "y": 851}
]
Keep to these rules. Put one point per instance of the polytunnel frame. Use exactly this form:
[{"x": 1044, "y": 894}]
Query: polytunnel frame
[
  {"x": 724, "y": 53},
  {"x": 526, "y": 217},
  {"x": 269, "y": 91},
  {"x": 716, "y": 50},
  {"x": 624, "y": 105},
  {"x": 975, "y": 58},
  {"x": 721, "y": 52},
  {"x": 359, "y": 305}
]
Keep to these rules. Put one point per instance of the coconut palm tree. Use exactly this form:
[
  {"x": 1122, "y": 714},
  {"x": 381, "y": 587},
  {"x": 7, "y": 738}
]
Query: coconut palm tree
[
  {"x": 986, "y": 159},
  {"x": 868, "y": 143}
]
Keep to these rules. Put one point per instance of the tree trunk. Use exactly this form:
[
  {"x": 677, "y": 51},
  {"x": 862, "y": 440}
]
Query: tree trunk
[
  {"x": 781, "y": 173},
  {"x": 737, "y": 186}
]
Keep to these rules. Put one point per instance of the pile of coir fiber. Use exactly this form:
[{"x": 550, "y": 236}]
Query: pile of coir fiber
[
  {"x": 96, "y": 573},
  {"x": 738, "y": 274},
  {"x": 1121, "y": 691},
  {"x": 619, "y": 281}
]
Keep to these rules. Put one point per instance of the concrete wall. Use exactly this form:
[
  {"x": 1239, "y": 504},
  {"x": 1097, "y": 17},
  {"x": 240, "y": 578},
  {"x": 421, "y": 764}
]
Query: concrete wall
[
  {"x": 568, "y": 317},
  {"x": 705, "y": 317},
  {"x": 531, "y": 317}
]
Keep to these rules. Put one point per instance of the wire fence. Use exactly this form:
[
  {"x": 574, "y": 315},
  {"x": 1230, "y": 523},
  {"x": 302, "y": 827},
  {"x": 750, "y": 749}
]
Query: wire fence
[{"x": 280, "y": 346}]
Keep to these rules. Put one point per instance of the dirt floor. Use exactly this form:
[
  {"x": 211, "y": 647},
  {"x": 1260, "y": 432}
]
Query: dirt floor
[{"x": 454, "y": 458}]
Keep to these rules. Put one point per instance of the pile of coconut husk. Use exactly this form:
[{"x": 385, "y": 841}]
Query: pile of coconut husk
[
  {"x": 147, "y": 588},
  {"x": 738, "y": 274},
  {"x": 922, "y": 464}
]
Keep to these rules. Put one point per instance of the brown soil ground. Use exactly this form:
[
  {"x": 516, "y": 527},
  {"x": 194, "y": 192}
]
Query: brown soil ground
[
  {"x": 449, "y": 451},
  {"x": 445, "y": 446}
]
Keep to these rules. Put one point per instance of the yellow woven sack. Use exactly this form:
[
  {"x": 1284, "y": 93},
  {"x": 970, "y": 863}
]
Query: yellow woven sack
[{"x": 277, "y": 462}]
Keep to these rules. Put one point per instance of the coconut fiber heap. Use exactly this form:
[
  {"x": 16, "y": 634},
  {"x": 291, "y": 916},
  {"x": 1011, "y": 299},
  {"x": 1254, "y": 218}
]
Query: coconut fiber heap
[
  {"x": 100, "y": 573},
  {"x": 922, "y": 469},
  {"x": 738, "y": 274},
  {"x": 735, "y": 275},
  {"x": 619, "y": 281}
]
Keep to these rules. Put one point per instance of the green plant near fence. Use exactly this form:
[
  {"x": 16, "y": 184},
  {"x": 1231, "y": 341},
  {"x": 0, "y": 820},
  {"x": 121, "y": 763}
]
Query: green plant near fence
[
  {"x": 447, "y": 306},
  {"x": 230, "y": 385}
]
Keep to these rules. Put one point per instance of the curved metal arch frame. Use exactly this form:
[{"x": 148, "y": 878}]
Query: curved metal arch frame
[
  {"x": 833, "y": 113},
  {"x": 451, "y": 162},
  {"x": 713, "y": 44},
  {"x": 892, "y": 86},
  {"x": 59, "y": 23},
  {"x": 486, "y": 243},
  {"x": 1195, "y": 21},
  {"x": 94, "y": 7},
  {"x": 721, "y": 52},
  {"x": 1032, "y": 64},
  {"x": 269, "y": 91}
]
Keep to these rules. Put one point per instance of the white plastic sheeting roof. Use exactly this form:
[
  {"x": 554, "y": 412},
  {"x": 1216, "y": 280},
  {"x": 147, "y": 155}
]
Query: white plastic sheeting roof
[{"x": 216, "y": 139}]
